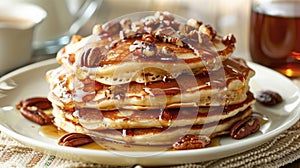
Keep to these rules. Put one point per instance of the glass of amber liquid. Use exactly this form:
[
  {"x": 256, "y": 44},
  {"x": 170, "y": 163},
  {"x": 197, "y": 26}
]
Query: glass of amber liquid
[{"x": 275, "y": 35}]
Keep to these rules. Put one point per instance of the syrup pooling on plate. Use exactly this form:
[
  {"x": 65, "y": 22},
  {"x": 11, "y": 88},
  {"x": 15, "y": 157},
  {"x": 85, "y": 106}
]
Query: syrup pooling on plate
[{"x": 51, "y": 131}]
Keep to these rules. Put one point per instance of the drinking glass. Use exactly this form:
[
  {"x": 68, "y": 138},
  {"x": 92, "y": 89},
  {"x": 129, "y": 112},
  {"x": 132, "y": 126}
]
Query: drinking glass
[{"x": 275, "y": 35}]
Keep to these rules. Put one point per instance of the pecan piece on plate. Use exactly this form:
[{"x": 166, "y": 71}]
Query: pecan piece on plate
[
  {"x": 245, "y": 127},
  {"x": 39, "y": 102},
  {"x": 36, "y": 115},
  {"x": 191, "y": 142},
  {"x": 74, "y": 139},
  {"x": 268, "y": 98},
  {"x": 33, "y": 110}
]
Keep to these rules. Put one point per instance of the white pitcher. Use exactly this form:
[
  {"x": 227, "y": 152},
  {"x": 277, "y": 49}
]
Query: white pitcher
[
  {"x": 17, "y": 24},
  {"x": 65, "y": 18}
]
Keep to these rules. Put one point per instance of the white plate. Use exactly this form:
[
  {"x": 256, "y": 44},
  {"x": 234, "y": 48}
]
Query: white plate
[{"x": 30, "y": 81}]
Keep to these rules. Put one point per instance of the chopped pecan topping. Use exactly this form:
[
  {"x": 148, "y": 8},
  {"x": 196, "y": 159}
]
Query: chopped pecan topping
[
  {"x": 208, "y": 31},
  {"x": 151, "y": 22},
  {"x": 91, "y": 57},
  {"x": 148, "y": 38},
  {"x": 167, "y": 51},
  {"x": 126, "y": 23},
  {"x": 194, "y": 35},
  {"x": 138, "y": 27},
  {"x": 164, "y": 16},
  {"x": 185, "y": 29},
  {"x": 97, "y": 29},
  {"x": 143, "y": 48},
  {"x": 229, "y": 39},
  {"x": 128, "y": 33},
  {"x": 111, "y": 28},
  {"x": 194, "y": 23},
  {"x": 169, "y": 35},
  {"x": 163, "y": 27}
]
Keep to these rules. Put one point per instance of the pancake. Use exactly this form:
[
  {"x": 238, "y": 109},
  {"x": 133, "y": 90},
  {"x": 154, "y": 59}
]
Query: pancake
[
  {"x": 163, "y": 136},
  {"x": 123, "y": 118},
  {"x": 155, "y": 136},
  {"x": 138, "y": 51},
  {"x": 200, "y": 90}
]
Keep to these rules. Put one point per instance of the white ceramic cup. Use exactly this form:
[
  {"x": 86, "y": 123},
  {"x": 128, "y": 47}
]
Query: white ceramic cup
[
  {"x": 65, "y": 18},
  {"x": 17, "y": 24}
]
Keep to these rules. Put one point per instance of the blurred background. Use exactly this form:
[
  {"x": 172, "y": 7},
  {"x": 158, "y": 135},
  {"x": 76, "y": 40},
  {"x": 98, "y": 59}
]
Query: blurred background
[{"x": 226, "y": 16}]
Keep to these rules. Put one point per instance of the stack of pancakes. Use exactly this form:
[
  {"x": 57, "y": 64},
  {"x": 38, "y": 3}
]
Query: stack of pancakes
[{"x": 150, "y": 81}]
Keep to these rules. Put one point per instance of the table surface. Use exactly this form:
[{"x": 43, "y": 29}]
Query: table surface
[
  {"x": 14, "y": 154},
  {"x": 295, "y": 164}
]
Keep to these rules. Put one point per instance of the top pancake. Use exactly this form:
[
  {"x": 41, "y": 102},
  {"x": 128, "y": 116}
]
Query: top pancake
[{"x": 151, "y": 49}]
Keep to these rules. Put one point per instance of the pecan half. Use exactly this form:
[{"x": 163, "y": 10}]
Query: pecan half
[
  {"x": 168, "y": 35},
  {"x": 245, "y": 127},
  {"x": 185, "y": 29},
  {"x": 74, "y": 139},
  {"x": 128, "y": 33},
  {"x": 194, "y": 23},
  {"x": 39, "y": 102},
  {"x": 268, "y": 98},
  {"x": 148, "y": 38},
  {"x": 164, "y": 16},
  {"x": 208, "y": 31},
  {"x": 32, "y": 109},
  {"x": 126, "y": 23},
  {"x": 191, "y": 142},
  {"x": 229, "y": 40},
  {"x": 151, "y": 22},
  {"x": 143, "y": 48},
  {"x": 97, "y": 29},
  {"x": 36, "y": 115},
  {"x": 91, "y": 57},
  {"x": 111, "y": 28}
]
